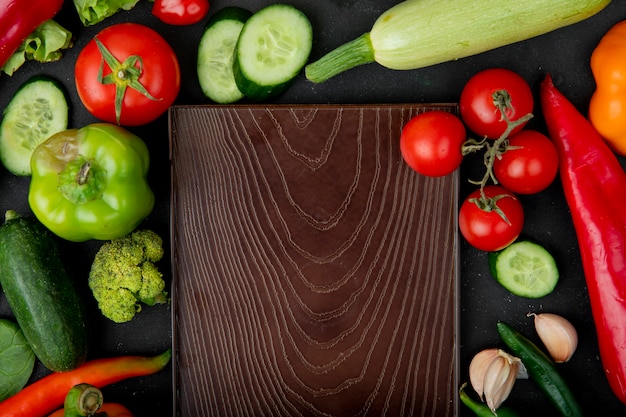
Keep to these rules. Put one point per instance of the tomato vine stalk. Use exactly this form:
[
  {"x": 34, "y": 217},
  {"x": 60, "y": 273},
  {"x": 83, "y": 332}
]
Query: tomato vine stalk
[{"x": 502, "y": 102}]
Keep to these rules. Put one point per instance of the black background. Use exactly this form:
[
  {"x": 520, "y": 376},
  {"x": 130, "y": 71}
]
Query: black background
[{"x": 564, "y": 54}]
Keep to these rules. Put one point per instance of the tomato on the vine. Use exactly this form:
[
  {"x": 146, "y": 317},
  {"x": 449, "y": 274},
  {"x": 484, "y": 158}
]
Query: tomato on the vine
[
  {"x": 127, "y": 74},
  {"x": 431, "y": 142},
  {"x": 492, "y": 223},
  {"x": 529, "y": 165},
  {"x": 485, "y": 92}
]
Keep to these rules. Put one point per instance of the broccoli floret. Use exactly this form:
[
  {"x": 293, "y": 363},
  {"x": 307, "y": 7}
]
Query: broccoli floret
[{"x": 123, "y": 275}]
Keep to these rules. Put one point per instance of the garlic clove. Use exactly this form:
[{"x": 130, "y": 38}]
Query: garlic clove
[
  {"x": 558, "y": 335},
  {"x": 492, "y": 374},
  {"x": 478, "y": 367},
  {"x": 499, "y": 379}
]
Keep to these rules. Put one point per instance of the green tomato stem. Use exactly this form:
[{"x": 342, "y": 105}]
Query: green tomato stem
[
  {"x": 499, "y": 146},
  {"x": 123, "y": 75},
  {"x": 502, "y": 101}
]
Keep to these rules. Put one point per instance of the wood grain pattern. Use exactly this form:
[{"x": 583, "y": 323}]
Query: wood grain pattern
[{"x": 315, "y": 273}]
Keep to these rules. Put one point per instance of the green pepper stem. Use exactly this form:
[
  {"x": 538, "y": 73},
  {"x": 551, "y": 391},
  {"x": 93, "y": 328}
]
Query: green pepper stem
[
  {"x": 83, "y": 400},
  {"x": 83, "y": 173},
  {"x": 82, "y": 180}
]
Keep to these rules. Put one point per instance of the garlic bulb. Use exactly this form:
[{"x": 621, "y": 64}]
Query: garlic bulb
[
  {"x": 492, "y": 374},
  {"x": 557, "y": 334}
]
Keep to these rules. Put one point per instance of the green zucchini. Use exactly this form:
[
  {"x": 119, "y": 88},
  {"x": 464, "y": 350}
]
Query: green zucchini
[
  {"x": 41, "y": 294},
  {"x": 38, "y": 109},
  {"x": 418, "y": 33},
  {"x": 216, "y": 52},
  {"x": 273, "y": 47}
]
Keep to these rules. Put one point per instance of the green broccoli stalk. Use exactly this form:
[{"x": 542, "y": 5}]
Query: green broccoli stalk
[{"x": 123, "y": 275}]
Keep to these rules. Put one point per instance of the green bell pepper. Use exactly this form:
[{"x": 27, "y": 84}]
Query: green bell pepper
[{"x": 91, "y": 183}]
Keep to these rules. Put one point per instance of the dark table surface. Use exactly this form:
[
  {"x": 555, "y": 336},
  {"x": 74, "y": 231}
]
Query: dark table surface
[{"x": 564, "y": 54}]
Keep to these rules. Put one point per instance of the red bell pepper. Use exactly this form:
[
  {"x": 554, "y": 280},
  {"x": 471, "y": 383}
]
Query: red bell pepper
[
  {"x": 594, "y": 183},
  {"x": 19, "y": 18},
  {"x": 180, "y": 12}
]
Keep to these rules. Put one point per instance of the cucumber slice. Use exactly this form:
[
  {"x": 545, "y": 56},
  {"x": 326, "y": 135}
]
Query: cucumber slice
[
  {"x": 525, "y": 268},
  {"x": 216, "y": 53},
  {"x": 273, "y": 47},
  {"x": 38, "y": 110}
]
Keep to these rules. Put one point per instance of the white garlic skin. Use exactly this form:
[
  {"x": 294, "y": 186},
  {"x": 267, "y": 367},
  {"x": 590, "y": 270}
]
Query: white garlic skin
[{"x": 558, "y": 335}]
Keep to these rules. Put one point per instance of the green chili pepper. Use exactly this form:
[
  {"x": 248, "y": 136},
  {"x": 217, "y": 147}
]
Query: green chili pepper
[
  {"x": 90, "y": 183},
  {"x": 542, "y": 370},
  {"x": 480, "y": 409}
]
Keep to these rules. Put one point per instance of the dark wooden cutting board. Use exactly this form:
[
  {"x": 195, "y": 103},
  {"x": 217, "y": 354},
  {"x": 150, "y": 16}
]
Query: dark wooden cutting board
[{"x": 315, "y": 274}]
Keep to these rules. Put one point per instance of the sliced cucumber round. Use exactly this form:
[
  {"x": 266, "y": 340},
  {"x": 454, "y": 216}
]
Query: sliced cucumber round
[
  {"x": 525, "y": 268},
  {"x": 273, "y": 47},
  {"x": 38, "y": 110},
  {"x": 216, "y": 53}
]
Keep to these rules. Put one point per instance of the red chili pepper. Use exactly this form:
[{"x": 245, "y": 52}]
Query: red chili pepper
[
  {"x": 20, "y": 18},
  {"x": 595, "y": 188},
  {"x": 48, "y": 393},
  {"x": 111, "y": 410},
  {"x": 180, "y": 12}
]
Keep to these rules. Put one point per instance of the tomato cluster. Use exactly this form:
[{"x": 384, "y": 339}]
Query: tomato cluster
[{"x": 495, "y": 104}]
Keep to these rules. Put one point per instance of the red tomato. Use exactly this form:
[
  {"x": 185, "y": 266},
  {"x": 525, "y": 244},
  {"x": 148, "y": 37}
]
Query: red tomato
[
  {"x": 135, "y": 57},
  {"x": 477, "y": 102},
  {"x": 529, "y": 165},
  {"x": 180, "y": 12},
  {"x": 483, "y": 227},
  {"x": 430, "y": 143}
]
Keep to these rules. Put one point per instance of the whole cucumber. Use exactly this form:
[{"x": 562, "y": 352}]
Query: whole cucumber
[{"x": 41, "y": 294}]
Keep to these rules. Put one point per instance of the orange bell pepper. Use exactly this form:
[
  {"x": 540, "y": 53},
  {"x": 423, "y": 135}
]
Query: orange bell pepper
[{"x": 607, "y": 108}]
